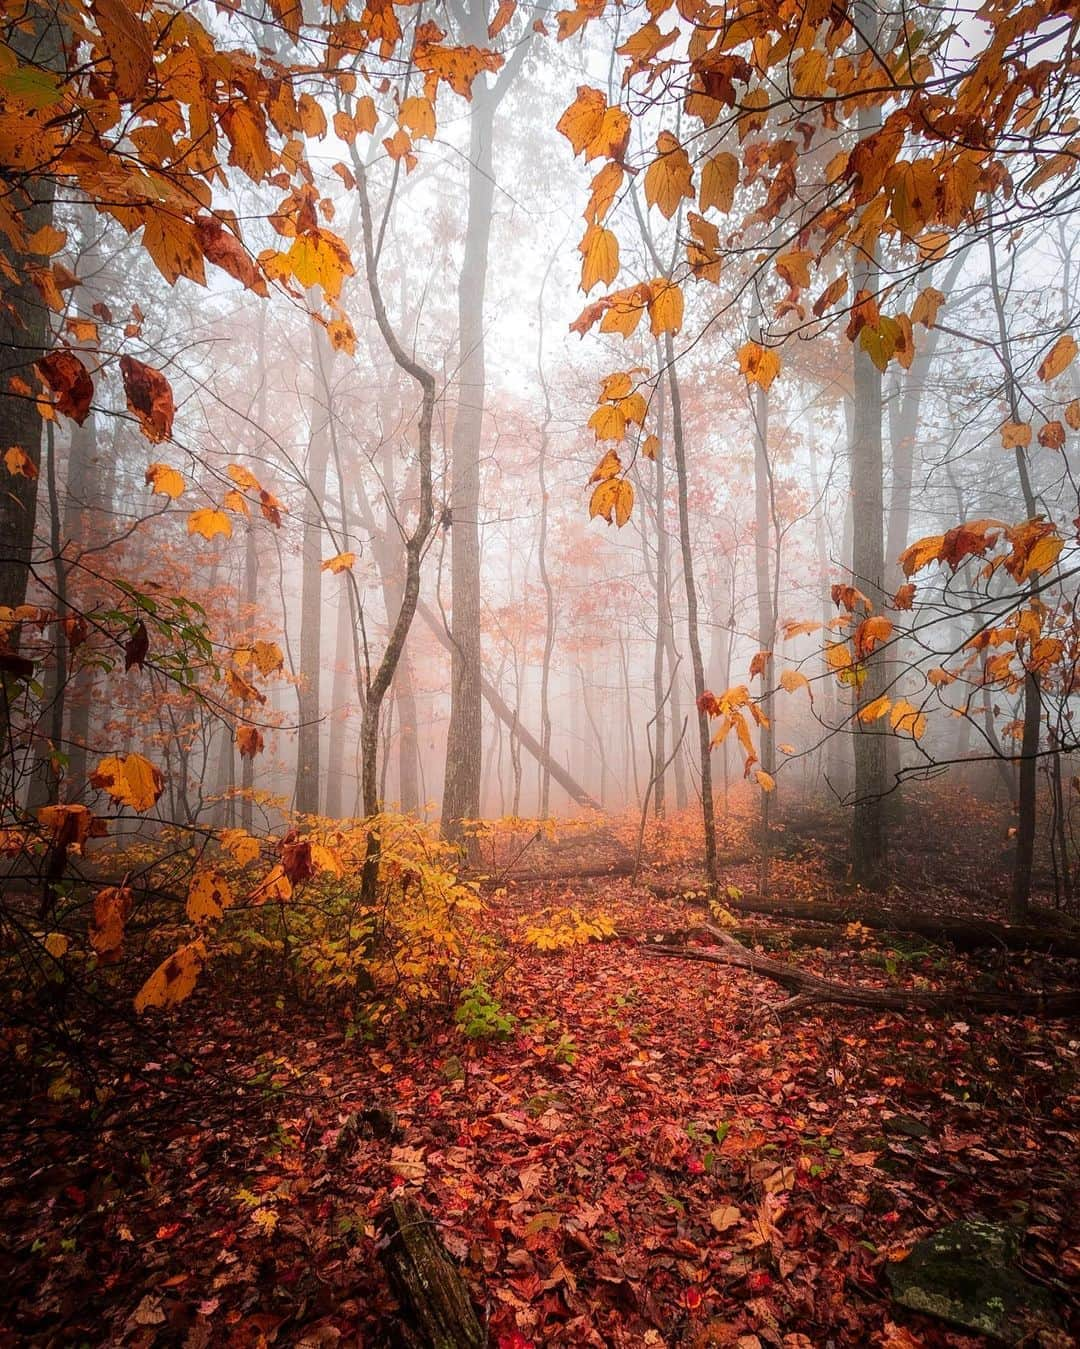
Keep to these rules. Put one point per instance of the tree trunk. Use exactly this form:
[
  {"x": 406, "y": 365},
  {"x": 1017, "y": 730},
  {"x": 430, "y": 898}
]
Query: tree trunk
[
  {"x": 868, "y": 550},
  {"x": 308, "y": 774},
  {"x": 461, "y": 790},
  {"x": 708, "y": 817}
]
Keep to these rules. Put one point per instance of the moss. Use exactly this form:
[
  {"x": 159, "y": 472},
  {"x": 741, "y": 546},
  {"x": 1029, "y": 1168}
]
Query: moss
[{"x": 967, "y": 1274}]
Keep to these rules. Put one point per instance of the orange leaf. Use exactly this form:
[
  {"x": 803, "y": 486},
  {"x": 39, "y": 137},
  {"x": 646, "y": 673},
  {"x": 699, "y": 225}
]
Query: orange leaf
[
  {"x": 131, "y": 781},
  {"x": 1060, "y": 356},
  {"x": 339, "y": 562},
  {"x": 70, "y": 381},
  {"x": 208, "y": 523},
  {"x": 165, "y": 480},
  {"x": 19, "y": 464},
  {"x": 759, "y": 364},
  {"x": 174, "y": 978}
]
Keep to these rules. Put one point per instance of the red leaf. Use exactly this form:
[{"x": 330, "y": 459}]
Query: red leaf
[
  {"x": 149, "y": 396},
  {"x": 70, "y": 381}
]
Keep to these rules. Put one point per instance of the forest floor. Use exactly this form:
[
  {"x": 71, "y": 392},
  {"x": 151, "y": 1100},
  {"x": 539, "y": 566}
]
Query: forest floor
[{"x": 652, "y": 1157}]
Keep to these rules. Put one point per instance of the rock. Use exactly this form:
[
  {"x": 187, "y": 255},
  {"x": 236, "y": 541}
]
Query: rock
[{"x": 968, "y": 1274}]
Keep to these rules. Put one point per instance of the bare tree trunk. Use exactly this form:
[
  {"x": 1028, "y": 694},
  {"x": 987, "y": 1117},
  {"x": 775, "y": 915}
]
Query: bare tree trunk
[
  {"x": 704, "y": 737},
  {"x": 461, "y": 791},
  {"x": 868, "y": 551},
  {"x": 308, "y": 776},
  {"x": 339, "y": 711},
  {"x": 415, "y": 543},
  {"x": 544, "y": 808},
  {"x": 764, "y": 563}
]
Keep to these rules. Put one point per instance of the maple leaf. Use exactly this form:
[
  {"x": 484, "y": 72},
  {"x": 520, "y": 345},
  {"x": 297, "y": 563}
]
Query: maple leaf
[
  {"x": 1015, "y": 435},
  {"x": 127, "y": 44},
  {"x": 719, "y": 178},
  {"x": 149, "y": 396},
  {"x": 665, "y": 307},
  {"x": 209, "y": 522},
  {"x": 165, "y": 480},
  {"x": 599, "y": 250}
]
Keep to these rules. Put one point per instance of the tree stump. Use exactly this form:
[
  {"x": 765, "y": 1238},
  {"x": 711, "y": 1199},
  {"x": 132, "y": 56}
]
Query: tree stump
[{"x": 435, "y": 1309}]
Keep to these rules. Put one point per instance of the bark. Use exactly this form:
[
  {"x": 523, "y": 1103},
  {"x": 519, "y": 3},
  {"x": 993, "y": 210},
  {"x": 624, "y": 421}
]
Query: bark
[
  {"x": 966, "y": 934},
  {"x": 415, "y": 542},
  {"x": 704, "y": 737},
  {"x": 308, "y": 767},
  {"x": 1027, "y": 786},
  {"x": 461, "y": 791},
  {"x": 766, "y": 562},
  {"x": 809, "y": 989},
  {"x": 545, "y": 578},
  {"x": 339, "y": 711},
  {"x": 434, "y": 1300},
  {"x": 868, "y": 552},
  {"x": 24, "y": 328}
]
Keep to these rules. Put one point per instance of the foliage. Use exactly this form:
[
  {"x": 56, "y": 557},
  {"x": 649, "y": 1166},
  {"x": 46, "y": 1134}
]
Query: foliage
[
  {"x": 480, "y": 1015},
  {"x": 563, "y": 928}
]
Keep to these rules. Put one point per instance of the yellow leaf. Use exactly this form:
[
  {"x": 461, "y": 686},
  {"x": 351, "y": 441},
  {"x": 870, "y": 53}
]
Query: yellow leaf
[
  {"x": 581, "y": 121},
  {"x": 719, "y": 178},
  {"x": 669, "y": 178},
  {"x": 418, "y": 115},
  {"x": 599, "y": 257},
  {"x": 174, "y": 978},
  {"x": 793, "y": 680},
  {"x": 765, "y": 781},
  {"x": 243, "y": 477},
  {"x": 613, "y": 499},
  {"x": 634, "y": 408},
  {"x": 165, "y": 480},
  {"x": 46, "y": 241},
  {"x": 925, "y": 308},
  {"x": 759, "y": 364},
  {"x": 907, "y": 719},
  {"x": 339, "y": 562},
  {"x": 110, "y": 912},
  {"x": 132, "y": 781},
  {"x": 665, "y": 307},
  {"x": 608, "y": 422},
  {"x": 608, "y": 467},
  {"x": 649, "y": 446},
  {"x": 208, "y": 897},
  {"x": 614, "y": 387},
  {"x": 19, "y": 464},
  {"x": 794, "y": 267},
  {"x": 241, "y": 846},
  {"x": 208, "y": 523},
  {"x": 56, "y": 944},
  {"x": 268, "y": 657},
  {"x": 234, "y": 501},
  {"x": 1060, "y": 356},
  {"x": 1043, "y": 555},
  {"x": 873, "y": 710},
  {"x": 1015, "y": 435}
]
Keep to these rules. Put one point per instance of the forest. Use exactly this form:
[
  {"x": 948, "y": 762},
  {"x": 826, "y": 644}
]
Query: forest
[{"x": 539, "y": 559}]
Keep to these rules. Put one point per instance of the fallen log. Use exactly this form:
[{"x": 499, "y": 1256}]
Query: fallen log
[
  {"x": 808, "y": 988},
  {"x": 435, "y": 1309},
  {"x": 965, "y": 934},
  {"x": 498, "y": 705}
]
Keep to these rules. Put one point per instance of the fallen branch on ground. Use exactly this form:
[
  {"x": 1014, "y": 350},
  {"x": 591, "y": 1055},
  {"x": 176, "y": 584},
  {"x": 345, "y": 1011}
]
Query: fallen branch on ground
[
  {"x": 808, "y": 989},
  {"x": 966, "y": 934}
]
